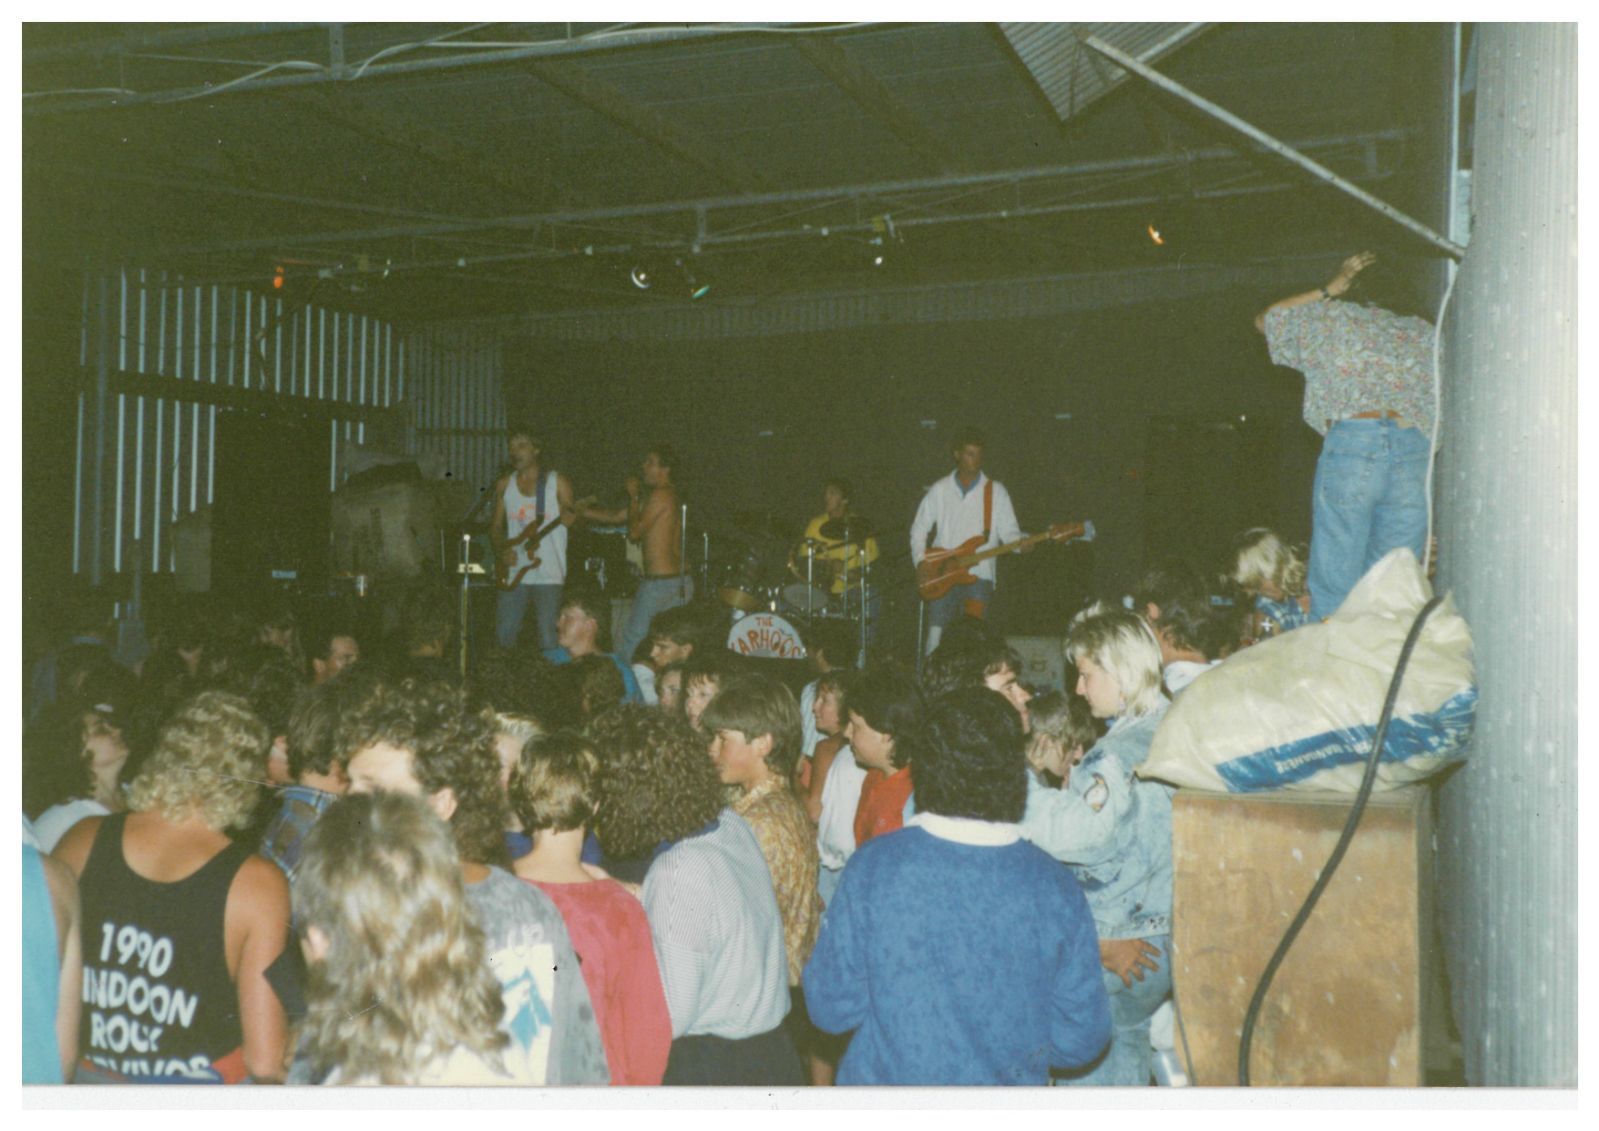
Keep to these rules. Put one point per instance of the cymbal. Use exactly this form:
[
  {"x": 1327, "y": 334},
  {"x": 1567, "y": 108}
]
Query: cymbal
[{"x": 848, "y": 528}]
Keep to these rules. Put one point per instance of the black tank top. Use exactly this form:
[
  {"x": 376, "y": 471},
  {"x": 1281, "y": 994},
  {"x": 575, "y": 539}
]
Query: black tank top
[{"x": 158, "y": 1003}]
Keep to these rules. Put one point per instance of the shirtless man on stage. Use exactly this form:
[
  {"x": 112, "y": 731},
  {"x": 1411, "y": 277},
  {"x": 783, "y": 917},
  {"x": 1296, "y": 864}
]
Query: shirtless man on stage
[{"x": 655, "y": 521}]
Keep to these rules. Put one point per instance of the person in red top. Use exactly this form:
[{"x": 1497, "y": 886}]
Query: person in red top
[
  {"x": 552, "y": 791},
  {"x": 885, "y": 716}
]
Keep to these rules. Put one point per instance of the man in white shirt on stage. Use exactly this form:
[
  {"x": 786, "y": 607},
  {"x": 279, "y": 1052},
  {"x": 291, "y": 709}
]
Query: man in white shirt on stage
[{"x": 964, "y": 505}]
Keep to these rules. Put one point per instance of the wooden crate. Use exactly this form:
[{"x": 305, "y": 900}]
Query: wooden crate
[{"x": 1346, "y": 1006}]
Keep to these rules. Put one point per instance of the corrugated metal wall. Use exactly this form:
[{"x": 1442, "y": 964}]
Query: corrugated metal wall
[
  {"x": 1507, "y": 518},
  {"x": 160, "y": 355},
  {"x": 458, "y": 416}
]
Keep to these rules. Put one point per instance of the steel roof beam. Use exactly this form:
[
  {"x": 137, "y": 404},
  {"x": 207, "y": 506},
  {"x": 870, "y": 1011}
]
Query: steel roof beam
[
  {"x": 1271, "y": 144},
  {"x": 689, "y": 208},
  {"x": 876, "y": 99},
  {"x": 654, "y": 127}
]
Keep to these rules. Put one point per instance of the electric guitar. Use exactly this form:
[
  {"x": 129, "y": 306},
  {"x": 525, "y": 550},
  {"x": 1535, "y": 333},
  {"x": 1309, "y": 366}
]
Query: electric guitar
[
  {"x": 529, "y": 541},
  {"x": 941, "y": 570}
]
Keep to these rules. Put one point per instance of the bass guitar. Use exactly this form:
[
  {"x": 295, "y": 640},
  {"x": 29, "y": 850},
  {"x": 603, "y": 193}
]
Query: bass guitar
[
  {"x": 941, "y": 570},
  {"x": 509, "y": 575}
]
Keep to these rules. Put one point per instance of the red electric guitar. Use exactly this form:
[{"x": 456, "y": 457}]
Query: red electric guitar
[
  {"x": 509, "y": 575},
  {"x": 941, "y": 570}
]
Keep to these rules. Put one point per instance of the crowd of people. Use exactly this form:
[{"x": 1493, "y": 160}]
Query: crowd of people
[
  {"x": 272, "y": 850},
  {"x": 279, "y": 852}
]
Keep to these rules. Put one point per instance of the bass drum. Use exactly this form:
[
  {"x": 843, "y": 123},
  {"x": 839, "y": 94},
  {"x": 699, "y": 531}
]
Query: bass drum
[
  {"x": 741, "y": 588},
  {"x": 765, "y": 636}
]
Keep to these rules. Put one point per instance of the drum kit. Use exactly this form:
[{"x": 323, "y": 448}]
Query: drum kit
[{"x": 775, "y": 585}]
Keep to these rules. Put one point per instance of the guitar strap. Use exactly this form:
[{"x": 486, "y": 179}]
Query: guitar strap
[{"x": 988, "y": 509}]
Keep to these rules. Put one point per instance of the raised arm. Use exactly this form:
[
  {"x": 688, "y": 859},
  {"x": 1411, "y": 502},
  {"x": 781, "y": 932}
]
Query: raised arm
[
  {"x": 1335, "y": 287},
  {"x": 612, "y": 517}
]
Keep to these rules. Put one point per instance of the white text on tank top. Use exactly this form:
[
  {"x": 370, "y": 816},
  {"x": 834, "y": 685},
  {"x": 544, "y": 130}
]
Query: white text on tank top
[{"x": 521, "y": 511}]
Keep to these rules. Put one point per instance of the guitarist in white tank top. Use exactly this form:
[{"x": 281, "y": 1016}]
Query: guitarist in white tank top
[{"x": 529, "y": 499}]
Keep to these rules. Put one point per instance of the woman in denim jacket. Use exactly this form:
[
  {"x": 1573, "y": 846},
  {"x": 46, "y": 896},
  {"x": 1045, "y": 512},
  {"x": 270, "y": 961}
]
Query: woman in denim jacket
[{"x": 1114, "y": 829}]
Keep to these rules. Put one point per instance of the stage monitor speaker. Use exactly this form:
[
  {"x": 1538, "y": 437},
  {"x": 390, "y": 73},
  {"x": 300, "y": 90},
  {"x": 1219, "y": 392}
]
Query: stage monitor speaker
[{"x": 1044, "y": 666}]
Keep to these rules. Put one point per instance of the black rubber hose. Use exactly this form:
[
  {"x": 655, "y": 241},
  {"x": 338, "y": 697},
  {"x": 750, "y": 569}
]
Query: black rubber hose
[{"x": 1350, "y": 824}]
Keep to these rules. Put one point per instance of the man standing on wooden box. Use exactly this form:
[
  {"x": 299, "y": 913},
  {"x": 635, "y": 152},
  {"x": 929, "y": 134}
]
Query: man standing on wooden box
[{"x": 1368, "y": 391}]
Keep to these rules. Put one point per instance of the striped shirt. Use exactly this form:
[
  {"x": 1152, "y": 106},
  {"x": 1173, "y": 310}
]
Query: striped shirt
[{"x": 718, "y": 936}]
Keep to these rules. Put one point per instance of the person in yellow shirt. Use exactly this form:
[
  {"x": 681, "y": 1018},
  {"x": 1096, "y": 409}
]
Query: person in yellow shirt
[{"x": 840, "y": 542}]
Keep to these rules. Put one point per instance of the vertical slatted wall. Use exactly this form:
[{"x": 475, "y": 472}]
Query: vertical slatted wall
[
  {"x": 457, "y": 414},
  {"x": 159, "y": 458},
  {"x": 1507, "y": 517}
]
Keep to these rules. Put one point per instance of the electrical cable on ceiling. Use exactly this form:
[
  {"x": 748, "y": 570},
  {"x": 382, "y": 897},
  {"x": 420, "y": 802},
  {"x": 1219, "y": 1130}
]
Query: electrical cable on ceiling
[
  {"x": 439, "y": 41},
  {"x": 1344, "y": 839}
]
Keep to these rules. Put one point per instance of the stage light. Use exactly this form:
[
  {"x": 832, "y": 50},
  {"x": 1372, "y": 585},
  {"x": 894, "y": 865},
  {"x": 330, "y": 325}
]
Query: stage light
[
  {"x": 641, "y": 278},
  {"x": 277, "y": 278},
  {"x": 1154, "y": 234}
]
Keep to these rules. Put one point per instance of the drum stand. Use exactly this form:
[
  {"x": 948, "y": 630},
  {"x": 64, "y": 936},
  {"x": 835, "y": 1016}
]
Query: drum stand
[
  {"x": 810, "y": 583},
  {"x": 466, "y": 568},
  {"x": 866, "y": 569},
  {"x": 682, "y": 556}
]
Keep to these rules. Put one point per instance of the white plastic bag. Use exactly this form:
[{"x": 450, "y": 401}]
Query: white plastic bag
[{"x": 1299, "y": 711}]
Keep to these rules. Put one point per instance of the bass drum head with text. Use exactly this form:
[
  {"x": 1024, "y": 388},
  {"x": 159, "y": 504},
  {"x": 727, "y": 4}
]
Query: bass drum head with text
[{"x": 765, "y": 636}]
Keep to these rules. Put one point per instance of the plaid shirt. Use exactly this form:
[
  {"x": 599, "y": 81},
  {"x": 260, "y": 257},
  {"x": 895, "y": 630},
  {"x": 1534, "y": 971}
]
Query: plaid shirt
[{"x": 285, "y": 836}]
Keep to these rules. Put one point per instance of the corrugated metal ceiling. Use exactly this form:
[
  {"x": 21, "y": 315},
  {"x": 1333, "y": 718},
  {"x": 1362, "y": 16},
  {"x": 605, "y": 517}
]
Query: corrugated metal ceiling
[
  {"x": 502, "y": 164},
  {"x": 1073, "y": 77}
]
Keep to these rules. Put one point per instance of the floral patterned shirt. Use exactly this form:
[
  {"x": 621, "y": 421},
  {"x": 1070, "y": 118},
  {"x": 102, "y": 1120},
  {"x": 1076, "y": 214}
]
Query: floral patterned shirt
[
  {"x": 788, "y": 841},
  {"x": 1355, "y": 359}
]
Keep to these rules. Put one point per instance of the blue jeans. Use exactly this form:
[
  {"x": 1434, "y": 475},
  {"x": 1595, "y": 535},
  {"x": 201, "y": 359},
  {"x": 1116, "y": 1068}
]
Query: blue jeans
[
  {"x": 511, "y": 606},
  {"x": 952, "y": 605},
  {"x": 653, "y": 596},
  {"x": 1370, "y": 497},
  {"x": 1128, "y": 1062}
]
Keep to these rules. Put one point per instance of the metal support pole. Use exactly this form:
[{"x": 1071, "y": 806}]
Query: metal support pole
[
  {"x": 682, "y": 557},
  {"x": 921, "y": 635},
  {"x": 1287, "y": 152},
  {"x": 102, "y": 396},
  {"x": 466, "y": 596}
]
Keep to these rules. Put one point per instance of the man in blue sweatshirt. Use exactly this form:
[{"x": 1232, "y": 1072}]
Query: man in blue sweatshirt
[{"x": 957, "y": 952}]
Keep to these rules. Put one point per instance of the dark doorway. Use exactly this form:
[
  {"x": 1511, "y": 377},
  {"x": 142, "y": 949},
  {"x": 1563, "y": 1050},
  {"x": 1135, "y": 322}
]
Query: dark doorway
[
  {"x": 1206, "y": 480},
  {"x": 270, "y": 521}
]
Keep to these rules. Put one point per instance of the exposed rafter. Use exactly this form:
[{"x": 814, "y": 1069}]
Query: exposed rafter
[
  {"x": 878, "y": 101},
  {"x": 651, "y": 125}
]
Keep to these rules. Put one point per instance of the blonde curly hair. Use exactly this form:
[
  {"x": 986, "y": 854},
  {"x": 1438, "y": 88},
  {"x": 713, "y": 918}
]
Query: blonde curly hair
[
  {"x": 208, "y": 761},
  {"x": 405, "y": 978},
  {"x": 1261, "y": 557}
]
